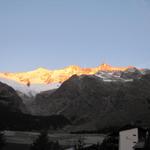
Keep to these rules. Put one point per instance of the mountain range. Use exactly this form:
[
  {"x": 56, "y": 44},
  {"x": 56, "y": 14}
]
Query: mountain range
[
  {"x": 42, "y": 75},
  {"x": 33, "y": 82},
  {"x": 91, "y": 98}
]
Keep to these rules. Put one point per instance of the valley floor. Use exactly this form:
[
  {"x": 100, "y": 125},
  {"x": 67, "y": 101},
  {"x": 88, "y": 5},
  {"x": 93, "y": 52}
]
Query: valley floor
[{"x": 22, "y": 140}]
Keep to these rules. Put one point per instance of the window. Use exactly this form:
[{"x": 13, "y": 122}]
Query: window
[
  {"x": 134, "y": 142},
  {"x": 134, "y": 134}
]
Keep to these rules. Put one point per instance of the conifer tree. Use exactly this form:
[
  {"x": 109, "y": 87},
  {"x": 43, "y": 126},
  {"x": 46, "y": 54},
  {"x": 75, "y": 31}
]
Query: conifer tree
[{"x": 43, "y": 143}]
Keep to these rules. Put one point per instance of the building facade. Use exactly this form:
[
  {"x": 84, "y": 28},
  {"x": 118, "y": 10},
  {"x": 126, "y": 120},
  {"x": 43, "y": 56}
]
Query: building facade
[{"x": 128, "y": 139}]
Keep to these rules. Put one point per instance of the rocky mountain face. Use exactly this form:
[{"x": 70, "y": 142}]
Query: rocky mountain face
[
  {"x": 9, "y": 100},
  {"x": 91, "y": 103},
  {"x": 131, "y": 73},
  {"x": 94, "y": 98}
]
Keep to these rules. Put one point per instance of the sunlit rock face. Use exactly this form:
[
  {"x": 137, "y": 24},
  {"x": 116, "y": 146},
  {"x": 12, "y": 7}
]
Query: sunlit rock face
[{"x": 45, "y": 76}]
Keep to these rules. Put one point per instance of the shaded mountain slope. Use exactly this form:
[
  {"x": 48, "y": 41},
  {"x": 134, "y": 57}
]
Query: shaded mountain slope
[
  {"x": 94, "y": 104},
  {"x": 13, "y": 114},
  {"x": 9, "y": 99}
]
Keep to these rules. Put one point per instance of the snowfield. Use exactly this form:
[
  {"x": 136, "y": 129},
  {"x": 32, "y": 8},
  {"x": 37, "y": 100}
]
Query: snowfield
[{"x": 31, "y": 90}]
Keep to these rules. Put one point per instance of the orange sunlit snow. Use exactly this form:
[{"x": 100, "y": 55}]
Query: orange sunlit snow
[{"x": 42, "y": 75}]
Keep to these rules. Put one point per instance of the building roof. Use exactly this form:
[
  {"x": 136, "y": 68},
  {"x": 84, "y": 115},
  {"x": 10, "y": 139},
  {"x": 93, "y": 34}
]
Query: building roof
[{"x": 131, "y": 128}]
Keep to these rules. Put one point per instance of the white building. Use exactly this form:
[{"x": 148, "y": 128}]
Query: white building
[{"x": 129, "y": 139}]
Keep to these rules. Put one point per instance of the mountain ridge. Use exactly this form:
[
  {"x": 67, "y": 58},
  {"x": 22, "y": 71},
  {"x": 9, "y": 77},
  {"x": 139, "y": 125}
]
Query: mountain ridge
[{"x": 44, "y": 76}]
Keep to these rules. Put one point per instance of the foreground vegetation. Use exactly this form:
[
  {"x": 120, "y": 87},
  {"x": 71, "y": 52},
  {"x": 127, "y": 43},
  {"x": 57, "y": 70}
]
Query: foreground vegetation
[{"x": 24, "y": 122}]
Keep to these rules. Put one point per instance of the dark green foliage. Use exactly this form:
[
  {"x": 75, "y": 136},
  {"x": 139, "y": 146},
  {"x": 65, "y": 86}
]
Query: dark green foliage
[
  {"x": 147, "y": 143},
  {"x": 110, "y": 143},
  {"x": 79, "y": 145},
  {"x": 43, "y": 143},
  {"x": 2, "y": 141},
  {"x": 25, "y": 122}
]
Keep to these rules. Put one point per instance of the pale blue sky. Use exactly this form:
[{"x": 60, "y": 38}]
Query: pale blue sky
[{"x": 58, "y": 33}]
